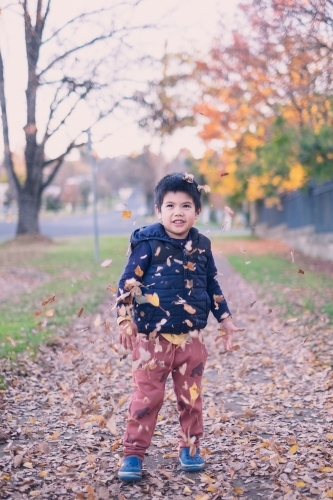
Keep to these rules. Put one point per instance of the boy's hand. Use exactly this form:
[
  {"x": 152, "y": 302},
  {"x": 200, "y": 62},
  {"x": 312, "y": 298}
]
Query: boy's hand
[
  {"x": 227, "y": 329},
  {"x": 127, "y": 334}
]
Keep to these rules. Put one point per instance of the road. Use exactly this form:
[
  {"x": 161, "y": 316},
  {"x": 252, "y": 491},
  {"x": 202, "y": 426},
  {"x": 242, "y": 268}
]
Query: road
[
  {"x": 77, "y": 225},
  {"x": 109, "y": 223}
]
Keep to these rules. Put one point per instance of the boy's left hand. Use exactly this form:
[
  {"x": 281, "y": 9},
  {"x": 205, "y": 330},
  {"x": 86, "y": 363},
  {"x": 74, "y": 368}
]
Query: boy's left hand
[{"x": 227, "y": 329}]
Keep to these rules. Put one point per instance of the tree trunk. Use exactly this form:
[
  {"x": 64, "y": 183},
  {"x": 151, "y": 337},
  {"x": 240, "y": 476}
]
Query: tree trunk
[{"x": 29, "y": 206}]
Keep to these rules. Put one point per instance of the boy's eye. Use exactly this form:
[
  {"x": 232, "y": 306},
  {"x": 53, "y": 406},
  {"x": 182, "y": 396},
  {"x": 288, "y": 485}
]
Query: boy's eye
[{"x": 187, "y": 205}]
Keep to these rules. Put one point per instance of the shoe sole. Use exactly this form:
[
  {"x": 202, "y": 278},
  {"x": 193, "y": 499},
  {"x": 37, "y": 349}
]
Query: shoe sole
[
  {"x": 191, "y": 468},
  {"x": 130, "y": 476}
]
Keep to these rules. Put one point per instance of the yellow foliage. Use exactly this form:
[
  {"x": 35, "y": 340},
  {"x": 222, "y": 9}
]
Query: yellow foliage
[{"x": 297, "y": 178}]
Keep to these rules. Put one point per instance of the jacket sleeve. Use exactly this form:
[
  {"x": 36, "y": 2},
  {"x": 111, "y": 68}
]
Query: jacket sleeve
[
  {"x": 137, "y": 265},
  {"x": 219, "y": 306}
]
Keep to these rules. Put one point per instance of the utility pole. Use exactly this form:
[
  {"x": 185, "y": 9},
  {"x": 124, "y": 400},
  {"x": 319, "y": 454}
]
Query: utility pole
[{"x": 94, "y": 192}]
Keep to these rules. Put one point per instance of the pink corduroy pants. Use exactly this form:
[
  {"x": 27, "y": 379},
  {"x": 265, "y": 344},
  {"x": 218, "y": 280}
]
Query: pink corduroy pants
[{"x": 155, "y": 361}]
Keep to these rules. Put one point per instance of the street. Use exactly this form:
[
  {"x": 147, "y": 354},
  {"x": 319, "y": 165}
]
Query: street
[{"x": 77, "y": 225}]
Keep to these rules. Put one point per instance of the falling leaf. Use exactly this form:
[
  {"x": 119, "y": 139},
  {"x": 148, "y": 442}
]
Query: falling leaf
[
  {"x": 38, "y": 313},
  {"x": 168, "y": 261},
  {"x": 205, "y": 188},
  {"x": 106, "y": 263},
  {"x": 49, "y": 300},
  {"x": 300, "y": 484},
  {"x": 138, "y": 271},
  {"x": 80, "y": 312},
  {"x": 292, "y": 255},
  {"x": 126, "y": 214},
  {"x": 293, "y": 449},
  {"x": 122, "y": 400},
  {"x": 111, "y": 289},
  {"x": 248, "y": 262},
  {"x": 188, "y": 283},
  {"x": 28, "y": 465},
  {"x": 189, "y": 308},
  {"x": 229, "y": 211},
  {"x": 187, "y": 490},
  {"x": 144, "y": 354},
  {"x": 190, "y": 265},
  {"x": 153, "y": 299},
  {"x": 189, "y": 323},
  {"x": 157, "y": 251},
  {"x": 182, "y": 368},
  {"x": 188, "y": 178},
  {"x": 224, "y": 173},
  {"x": 194, "y": 393},
  {"x": 300, "y": 271},
  {"x": 42, "y": 473},
  {"x": 252, "y": 303},
  {"x": 270, "y": 310}
]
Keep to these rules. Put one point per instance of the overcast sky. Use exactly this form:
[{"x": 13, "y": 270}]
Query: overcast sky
[{"x": 188, "y": 24}]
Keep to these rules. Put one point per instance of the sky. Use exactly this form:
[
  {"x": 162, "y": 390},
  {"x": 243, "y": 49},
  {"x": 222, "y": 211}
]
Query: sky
[{"x": 186, "y": 25}]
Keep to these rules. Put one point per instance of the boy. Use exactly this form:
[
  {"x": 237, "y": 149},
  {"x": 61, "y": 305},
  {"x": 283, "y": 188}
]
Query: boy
[{"x": 165, "y": 295}]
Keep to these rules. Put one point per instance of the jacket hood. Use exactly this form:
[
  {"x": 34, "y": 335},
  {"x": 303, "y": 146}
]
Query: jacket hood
[{"x": 157, "y": 232}]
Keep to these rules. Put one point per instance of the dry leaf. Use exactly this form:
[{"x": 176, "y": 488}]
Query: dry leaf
[
  {"x": 224, "y": 173},
  {"x": 153, "y": 299},
  {"x": 300, "y": 271},
  {"x": 106, "y": 263},
  {"x": 194, "y": 393},
  {"x": 189, "y": 309},
  {"x": 182, "y": 368},
  {"x": 229, "y": 211},
  {"x": 294, "y": 449},
  {"x": 138, "y": 271},
  {"x": 126, "y": 214},
  {"x": 190, "y": 266},
  {"x": 189, "y": 323},
  {"x": 49, "y": 313},
  {"x": 49, "y": 300},
  {"x": 80, "y": 312},
  {"x": 188, "y": 178},
  {"x": 98, "y": 320}
]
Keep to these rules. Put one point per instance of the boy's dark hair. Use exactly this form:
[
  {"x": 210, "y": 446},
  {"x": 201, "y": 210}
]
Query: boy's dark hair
[{"x": 176, "y": 183}]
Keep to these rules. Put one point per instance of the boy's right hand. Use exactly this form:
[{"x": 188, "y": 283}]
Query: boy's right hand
[{"x": 127, "y": 334}]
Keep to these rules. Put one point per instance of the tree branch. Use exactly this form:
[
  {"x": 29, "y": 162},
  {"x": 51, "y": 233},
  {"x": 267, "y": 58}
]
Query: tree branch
[
  {"x": 74, "y": 19},
  {"x": 8, "y": 157},
  {"x": 58, "y": 162},
  {"x": 88, "y": 44}
]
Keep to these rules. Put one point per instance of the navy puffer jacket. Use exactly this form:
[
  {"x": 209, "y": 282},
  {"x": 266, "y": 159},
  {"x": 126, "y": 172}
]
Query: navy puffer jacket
[{"x": 179, "y": 277}]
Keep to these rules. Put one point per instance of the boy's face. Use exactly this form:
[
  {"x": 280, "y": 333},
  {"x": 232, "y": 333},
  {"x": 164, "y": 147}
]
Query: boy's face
[{"x": 177, "y": 214}]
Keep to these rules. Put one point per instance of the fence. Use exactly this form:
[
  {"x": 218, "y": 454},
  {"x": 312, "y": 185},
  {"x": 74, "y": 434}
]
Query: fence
[{"x": 312, "y": 206}]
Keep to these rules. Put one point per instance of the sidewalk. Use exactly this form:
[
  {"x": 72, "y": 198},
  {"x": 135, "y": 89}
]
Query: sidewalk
[{"x": 268, "y": 415}]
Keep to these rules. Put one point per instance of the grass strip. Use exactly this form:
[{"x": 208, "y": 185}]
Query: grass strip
[{"x": 72, "y": 277}]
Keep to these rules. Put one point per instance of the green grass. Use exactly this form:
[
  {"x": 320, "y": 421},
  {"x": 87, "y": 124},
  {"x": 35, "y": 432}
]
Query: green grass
[
  {"x": 278, "y": 281},
  {"x": 72, "y": 277}
]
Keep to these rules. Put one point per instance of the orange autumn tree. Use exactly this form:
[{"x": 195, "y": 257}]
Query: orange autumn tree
[{"x": 263, "y": 88}]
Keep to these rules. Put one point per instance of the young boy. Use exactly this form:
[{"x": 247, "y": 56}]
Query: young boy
[{"x": 166, "y": 292}]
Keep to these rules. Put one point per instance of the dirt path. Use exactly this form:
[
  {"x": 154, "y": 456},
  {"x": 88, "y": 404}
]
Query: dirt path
[{"x": 268, "y": 415}]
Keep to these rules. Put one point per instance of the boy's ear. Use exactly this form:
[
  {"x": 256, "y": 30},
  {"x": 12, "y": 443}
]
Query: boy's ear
[
  {"x": 158, "y": 213},
  {"x": 197, "y": 213}
]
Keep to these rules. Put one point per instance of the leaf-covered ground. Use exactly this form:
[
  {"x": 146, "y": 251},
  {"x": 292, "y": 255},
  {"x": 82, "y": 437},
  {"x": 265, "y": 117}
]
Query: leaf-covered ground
[{"x": 268, "y": 413}]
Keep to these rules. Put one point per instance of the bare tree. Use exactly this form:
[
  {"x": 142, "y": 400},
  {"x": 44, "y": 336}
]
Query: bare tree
[{"x": 71, "y": 68}]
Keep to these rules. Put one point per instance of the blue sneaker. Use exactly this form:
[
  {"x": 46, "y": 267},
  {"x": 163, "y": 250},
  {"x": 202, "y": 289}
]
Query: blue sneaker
[
  {"x": 189, "y": 463},
  {"x": 131, "y": 470}
]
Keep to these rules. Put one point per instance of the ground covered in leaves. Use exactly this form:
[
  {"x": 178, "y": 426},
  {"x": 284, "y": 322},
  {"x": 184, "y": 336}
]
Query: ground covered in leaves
[{"x": 268, "y": 413}]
